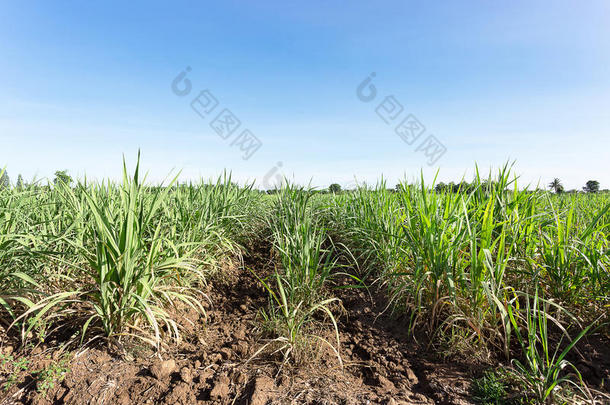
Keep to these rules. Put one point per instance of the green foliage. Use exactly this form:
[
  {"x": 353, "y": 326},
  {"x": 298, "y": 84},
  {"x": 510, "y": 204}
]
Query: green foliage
[
  {"x": 14, "y": 368},
  {"x": 296, "y": 289},
  {"x": 592, "y": 186},
  {"x": 5, "y": 181},
  {"x": 334, "y": 188},
  {"x": 456, "y": 262},
  {"x": 113, "y": 257},
  {"x": 20, "y": 184},
  {"x": 129, "y": 258},
  {"x": 110, "y": 260},
  {"x": 490, "y": 389},
  {"x": 52, "y": 374},
  {"x": 544, "y": 372},
  {"x": 62, "y": 177},
  {"x": 556, "y": 186}
]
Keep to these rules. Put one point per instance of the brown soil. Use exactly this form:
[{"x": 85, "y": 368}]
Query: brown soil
[{"x": 381, "y": 364}]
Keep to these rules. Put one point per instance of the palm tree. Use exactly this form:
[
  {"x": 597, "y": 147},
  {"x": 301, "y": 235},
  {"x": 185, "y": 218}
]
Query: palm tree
[{"x": 556, "y": 186}]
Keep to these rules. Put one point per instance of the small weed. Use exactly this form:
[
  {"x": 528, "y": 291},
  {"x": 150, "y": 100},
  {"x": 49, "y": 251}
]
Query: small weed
[
  {"x": 14, "y": 368},
  {"x": 52, "y": 374},
  {"x": 489, "y": 389}
]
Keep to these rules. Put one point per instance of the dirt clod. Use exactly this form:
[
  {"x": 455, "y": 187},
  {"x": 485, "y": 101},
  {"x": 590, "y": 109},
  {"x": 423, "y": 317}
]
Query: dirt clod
[
  {"x": 162, "y": 369},
  {"x": 181, "y": 395},
  {"x": 186, "y": 374},
  {"x": 226, "y": 353},
  {"x": 221, "y": 388},
  {"x": 263, "y": 387}
]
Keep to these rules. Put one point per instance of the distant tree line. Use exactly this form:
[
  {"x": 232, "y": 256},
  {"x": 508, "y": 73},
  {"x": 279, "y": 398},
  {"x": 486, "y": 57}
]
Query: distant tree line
[
  {"x": 61, "y": 177},
  {"x": 556, "y": 186},
  {"x": 591, "y": 187}
]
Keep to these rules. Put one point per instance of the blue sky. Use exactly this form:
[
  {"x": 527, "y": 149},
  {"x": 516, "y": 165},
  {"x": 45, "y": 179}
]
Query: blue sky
[{"x": 84, "y": 83}]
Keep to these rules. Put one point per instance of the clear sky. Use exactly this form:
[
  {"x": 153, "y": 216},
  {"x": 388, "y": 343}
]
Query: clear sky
[{"x": 83, "y": 83}]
